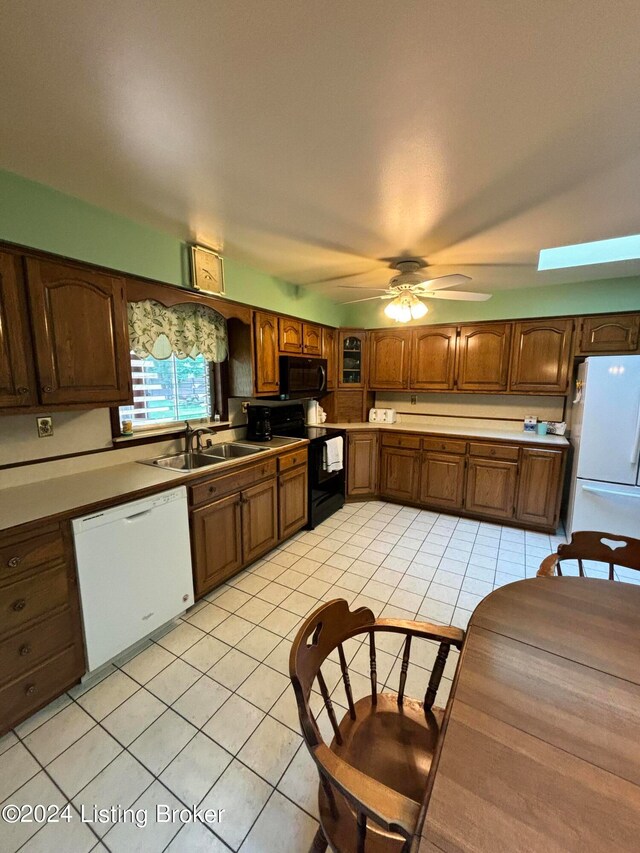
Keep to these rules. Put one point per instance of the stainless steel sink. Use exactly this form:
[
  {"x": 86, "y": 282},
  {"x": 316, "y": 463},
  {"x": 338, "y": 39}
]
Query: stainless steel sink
[{"x": 232, "y": 450}]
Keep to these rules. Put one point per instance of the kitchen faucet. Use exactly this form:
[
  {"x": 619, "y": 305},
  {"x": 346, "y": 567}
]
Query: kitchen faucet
[{"x": 190, "y": 434}]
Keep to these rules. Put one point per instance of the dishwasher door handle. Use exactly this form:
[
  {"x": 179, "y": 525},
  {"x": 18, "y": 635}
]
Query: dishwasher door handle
[{"x": 137, "y": 515}]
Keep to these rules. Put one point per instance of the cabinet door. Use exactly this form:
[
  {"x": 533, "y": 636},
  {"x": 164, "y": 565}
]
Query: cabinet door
[
  {"x": 216, "y": 542},
  {"x": 266, "y": 353},
  {"x": 540, "y": 487},
  {"x": 399, "y": 473},
  {"x": 442, "y": 480},
  {"x": 389, "y": 359},
  {"x": 17, "y": 379},
  {"x": 351, "y": 359},
  {"x": 433, "y": 358},
  {"x": 329, "y": 352},
  {"x": 81, "y": 341},
  {"x": 613, "y": 333},
  {"x": 362, "y": 463},
  {"x": 290, "y": 335},
  {"x": 483, "y": 357},
  {"x": 259, "y": 519},
  {"x": 541, "y": 356},
  {"x": 311, "y": 339},
  {"x": 292, "y": 501},
  {"x": 491, "y": 487}
]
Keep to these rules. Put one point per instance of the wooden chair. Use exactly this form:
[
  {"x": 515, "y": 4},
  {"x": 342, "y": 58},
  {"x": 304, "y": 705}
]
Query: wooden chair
[
  {"x": 373, "y": 776},
  {"x": 596, "y": 546}
]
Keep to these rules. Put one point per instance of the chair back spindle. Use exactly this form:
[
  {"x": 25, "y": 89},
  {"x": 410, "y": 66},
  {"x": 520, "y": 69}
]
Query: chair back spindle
[
  {"x": 404, "y": 668},
  {"x": 436, "y": 676},
  {"x": 346, "y": 681},
  {"x": 373, "y": 671}
]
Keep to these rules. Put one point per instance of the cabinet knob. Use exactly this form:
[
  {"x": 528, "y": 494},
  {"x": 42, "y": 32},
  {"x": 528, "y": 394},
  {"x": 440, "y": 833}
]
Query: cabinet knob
[
  {"x": 23, "y": 390},
  {"x": 47, "y": 389},
  {"x": 30, "y": 689},
  {"x": 212, "y": 489},
  {"x": 493, "y": 452},
  {"x": 13, "y": 562},
  {"x": 24, "y": 650},
  {"x": 19, "y": 604}
]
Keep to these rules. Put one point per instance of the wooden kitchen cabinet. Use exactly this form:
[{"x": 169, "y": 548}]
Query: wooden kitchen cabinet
[
  {"x": 292, "y": 500},
  {"x": 539, "y": 489},
  {"x": 267, "y": 373},
  {"x": 442, "y": 480},
  {"x": 399, "y": 473},
  {"x": 311, "y": 339},
  {"x": 389, "y": 352},
  {"x": 80, "y": 337},
  {"x": 362, "y": 463},
  {"x": 351, "y": 358},
  {"x": 329, "y": 338},
  {"x": 541, "y": 356},
  {"x": 259, "y": 520},
  {"x": 483, "y": 357},
  {"x": 491, "y": 487},
  {"x": 433, "y": 358},
  {"x": 613, "y": 333},
  {"x": 17, "y": 375},
  {"x": 216, "y": 535},
  {"x": 290, "y": 335}
]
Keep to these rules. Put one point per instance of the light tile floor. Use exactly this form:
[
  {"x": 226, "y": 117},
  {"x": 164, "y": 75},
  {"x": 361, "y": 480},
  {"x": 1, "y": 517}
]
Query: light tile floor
[{"x": 205, "y": 713}]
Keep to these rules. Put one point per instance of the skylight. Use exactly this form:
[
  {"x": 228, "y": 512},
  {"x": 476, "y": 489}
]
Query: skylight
[{"x": 598, "y": 252}]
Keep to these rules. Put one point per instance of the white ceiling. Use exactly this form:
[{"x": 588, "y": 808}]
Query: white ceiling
[{"x": 312, "y": 139}]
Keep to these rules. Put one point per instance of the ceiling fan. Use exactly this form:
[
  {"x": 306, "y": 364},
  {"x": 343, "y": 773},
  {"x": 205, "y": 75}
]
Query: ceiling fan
[{"x": 410, "y": 286}]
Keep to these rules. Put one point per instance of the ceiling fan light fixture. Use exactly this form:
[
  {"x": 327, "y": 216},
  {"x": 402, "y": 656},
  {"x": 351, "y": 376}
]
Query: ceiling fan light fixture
[
  {"x": 418, "y": 309},
  {"x": 405, "y": 307}
]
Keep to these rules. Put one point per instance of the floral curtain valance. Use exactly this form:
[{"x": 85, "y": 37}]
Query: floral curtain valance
[{"x": 185, "y": 331}]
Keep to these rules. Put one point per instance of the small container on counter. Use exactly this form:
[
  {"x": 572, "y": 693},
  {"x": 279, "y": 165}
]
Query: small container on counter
[
  {"x": 541, "y": 428},
  {"x": 530, "y": 422}
]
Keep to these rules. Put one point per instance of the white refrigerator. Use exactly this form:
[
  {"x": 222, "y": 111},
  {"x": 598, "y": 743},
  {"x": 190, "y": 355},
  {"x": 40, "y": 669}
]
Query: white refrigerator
[{"x": 605, "y": 432}]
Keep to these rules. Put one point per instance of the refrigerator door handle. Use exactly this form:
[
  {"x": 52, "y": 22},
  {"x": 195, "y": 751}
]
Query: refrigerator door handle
[
  {"x": 600, "y": 491},
  {"x": 635, "y": 449}
]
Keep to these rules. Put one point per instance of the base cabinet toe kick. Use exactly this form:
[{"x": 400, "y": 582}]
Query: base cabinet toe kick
[{"x": 518, "y": 484}]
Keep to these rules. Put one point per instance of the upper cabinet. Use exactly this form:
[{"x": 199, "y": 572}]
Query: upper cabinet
[
  {"x": 541, "y": 356},
  {"x": 290, "y": 335},
  {"x": 615, "y": 333},
  {"x": 311, "y": 339},
  {"x": 79, "y": 334},
  {"x": 433, "y": 358},
  {"x": 351, "y": 358},
  {"x": 389, "y": 352},
  {"x": 483, "y": 357},
  {"x": 329, "y": 337},
  {"x": 17, "y": 379},
  {"x": 267, "y": 373}
]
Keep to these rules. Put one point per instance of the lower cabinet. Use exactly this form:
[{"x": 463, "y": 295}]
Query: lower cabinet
[
  {"x": 491, "y": 487},
  {"x": 259, "y": 520},
  {"x": 442, "y": 479},
  {"x": 292, "y": 501},
  {"x": 399, "y": 473},
  {"x": 538, "y": 492},
  {"x": 362, "y": 464},
  {"x": 216, "y": 533}
]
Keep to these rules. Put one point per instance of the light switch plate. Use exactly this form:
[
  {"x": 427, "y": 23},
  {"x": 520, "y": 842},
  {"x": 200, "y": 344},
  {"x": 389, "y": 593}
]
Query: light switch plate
[{"x": 45, "y": 427}]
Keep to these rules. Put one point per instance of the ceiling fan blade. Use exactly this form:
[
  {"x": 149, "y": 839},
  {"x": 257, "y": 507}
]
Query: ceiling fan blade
[
  {"x": 357, "y": 287},
  {"x": 462, "y": 295},
  {"x": 366, "y": 299},
  {"x": 441, "y": 281}
]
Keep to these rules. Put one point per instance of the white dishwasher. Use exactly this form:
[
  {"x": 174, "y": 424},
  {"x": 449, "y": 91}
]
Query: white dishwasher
[{"x": 134, "y": 570}]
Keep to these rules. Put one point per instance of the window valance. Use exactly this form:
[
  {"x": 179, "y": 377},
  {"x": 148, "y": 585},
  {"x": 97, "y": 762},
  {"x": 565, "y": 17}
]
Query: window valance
[{"x": 185, "y": 331}]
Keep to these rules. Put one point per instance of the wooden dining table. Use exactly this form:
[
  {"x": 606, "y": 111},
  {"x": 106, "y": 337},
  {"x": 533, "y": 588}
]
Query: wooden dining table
[{"x": 540, "y": 750}]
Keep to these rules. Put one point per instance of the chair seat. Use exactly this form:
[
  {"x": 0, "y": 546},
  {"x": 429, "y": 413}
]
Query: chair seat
[{"x": 391, "y": 743}]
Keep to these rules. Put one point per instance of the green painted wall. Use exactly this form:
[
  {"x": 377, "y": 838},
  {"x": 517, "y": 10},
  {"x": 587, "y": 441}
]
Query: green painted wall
[
  {"x": 35, "y": 215},
  {"x": 590, "y": 297}
]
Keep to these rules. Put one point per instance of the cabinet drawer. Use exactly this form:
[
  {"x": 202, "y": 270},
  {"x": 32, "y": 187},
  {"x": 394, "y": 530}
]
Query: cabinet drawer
[
  {"x": 34, "y": 644},
  {"x": 444, "y": 445},
  {"x": 396, "y": 440},
  {"x": 494, "y": 451},
  {"x": 22, "y": 552},
  {"x": 34, "y": 689},
  {"x": 28, "y": 598},
  {"x": 234, "y": 481},
  {"x": 291, "y": 460}
]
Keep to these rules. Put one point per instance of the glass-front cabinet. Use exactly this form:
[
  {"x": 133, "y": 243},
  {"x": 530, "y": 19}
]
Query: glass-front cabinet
[{"x": 352, "y": 358}]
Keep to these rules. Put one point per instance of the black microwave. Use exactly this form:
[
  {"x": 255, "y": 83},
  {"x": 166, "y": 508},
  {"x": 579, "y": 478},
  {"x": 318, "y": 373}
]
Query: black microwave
[{"x": 302, "y": 377}]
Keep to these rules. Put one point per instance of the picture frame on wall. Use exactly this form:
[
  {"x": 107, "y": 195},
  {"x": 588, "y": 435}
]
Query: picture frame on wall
[{"x": 207, "y": 270}]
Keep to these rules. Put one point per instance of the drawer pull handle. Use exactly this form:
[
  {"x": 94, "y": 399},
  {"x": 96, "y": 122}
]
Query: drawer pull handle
[
  {"x": 212, "y": 489},
  {"x": 23, "y": 390},
  {"x": 25, "y": 650},
  {"x": 47, "y": 389},
  {"x": 19, "y": 604},
  {"x": 14, "y": 561},
  {"x": 493, "y": 453},
  {"x": 30, "y": 689}
]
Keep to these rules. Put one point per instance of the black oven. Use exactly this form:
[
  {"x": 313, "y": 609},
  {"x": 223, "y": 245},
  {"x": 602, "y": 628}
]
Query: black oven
[{"x": 302, "y": 377}]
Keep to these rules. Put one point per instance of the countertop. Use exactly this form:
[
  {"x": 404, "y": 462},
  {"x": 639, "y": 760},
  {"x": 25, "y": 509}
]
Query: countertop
[
  {"x": 73, "y": 494},
  {"x": 467, "y": 431}
]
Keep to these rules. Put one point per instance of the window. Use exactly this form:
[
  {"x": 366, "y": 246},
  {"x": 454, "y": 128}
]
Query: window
[{"x": 169, "y": 391}]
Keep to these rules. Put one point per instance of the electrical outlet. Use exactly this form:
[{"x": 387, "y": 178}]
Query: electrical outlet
[
  {"x": 245, "y": 405},
  {"x": 414, "y": 399},
  {"x": 45, "y": 427}
]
